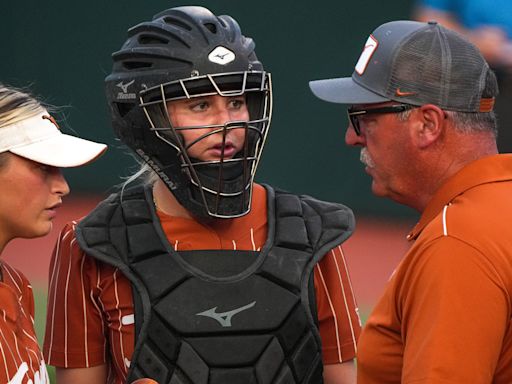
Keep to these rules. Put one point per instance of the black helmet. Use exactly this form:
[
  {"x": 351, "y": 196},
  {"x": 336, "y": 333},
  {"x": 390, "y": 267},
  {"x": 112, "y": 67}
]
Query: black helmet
[{"x": 188, "y": 52}]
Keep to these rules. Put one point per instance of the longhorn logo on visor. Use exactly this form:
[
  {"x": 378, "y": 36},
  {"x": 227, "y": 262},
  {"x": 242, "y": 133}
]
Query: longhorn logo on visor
[
  {"x": 221, "y": 55},
  {"x": 52, "y": 119}
]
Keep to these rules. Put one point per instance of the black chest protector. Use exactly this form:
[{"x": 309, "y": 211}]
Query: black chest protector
[{"x": 220, "y": 317}]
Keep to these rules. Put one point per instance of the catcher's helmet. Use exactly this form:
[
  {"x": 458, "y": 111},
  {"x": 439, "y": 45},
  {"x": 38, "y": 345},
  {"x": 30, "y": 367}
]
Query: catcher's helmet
[{"x": 188, "y": 52}]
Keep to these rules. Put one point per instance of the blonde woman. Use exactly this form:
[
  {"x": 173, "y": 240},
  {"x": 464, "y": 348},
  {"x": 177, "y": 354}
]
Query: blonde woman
[{"x": 32, "y": 149}]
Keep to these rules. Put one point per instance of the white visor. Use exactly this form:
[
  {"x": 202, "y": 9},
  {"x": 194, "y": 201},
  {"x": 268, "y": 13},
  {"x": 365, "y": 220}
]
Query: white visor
[{"x": 39, "y": 139}]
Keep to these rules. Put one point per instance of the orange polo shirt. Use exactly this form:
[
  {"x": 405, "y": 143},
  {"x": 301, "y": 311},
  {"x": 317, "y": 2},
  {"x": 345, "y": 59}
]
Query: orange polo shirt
[{"x": 445, "y": 315}]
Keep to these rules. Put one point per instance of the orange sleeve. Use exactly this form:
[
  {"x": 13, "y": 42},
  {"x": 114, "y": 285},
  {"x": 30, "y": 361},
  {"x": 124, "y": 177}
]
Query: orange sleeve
[
  {"x": 455, "y": 314},
  {"x": 338, "y": 316},
  {"x": 74, "y": 334},
  {"x": 21, "y": 356}
]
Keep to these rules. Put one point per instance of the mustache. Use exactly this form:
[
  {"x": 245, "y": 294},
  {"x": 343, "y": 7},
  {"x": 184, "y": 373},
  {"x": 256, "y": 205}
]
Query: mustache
[{"x": 365, "y": 158}]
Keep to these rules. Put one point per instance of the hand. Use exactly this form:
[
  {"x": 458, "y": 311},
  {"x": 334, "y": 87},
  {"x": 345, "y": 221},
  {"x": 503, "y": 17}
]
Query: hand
[{"x": 144, "y": 380}]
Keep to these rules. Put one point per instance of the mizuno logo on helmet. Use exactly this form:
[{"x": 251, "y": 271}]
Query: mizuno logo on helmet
[
  {"x": 224, "y": 318},
  {"x": 124, "y": 87},
  {"x": 221, "y": 55},
  {"x": 125, "y": 95}
]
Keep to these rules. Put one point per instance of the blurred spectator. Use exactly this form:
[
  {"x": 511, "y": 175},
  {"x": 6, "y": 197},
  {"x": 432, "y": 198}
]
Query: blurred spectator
[{"x": 488, "y": 24}]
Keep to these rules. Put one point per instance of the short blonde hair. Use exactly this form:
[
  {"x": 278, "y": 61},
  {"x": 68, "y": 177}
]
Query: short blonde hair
[{"x": 17, "y": 105}]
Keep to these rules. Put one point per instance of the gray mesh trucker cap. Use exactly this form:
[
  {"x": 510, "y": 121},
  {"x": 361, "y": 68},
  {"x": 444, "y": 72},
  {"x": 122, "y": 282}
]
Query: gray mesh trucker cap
[{"x": 416, "y": 63}]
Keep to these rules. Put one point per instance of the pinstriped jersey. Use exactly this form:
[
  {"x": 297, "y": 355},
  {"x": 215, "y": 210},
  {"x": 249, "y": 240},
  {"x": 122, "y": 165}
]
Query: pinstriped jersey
[
  {"x": 21, "y": 360},
  {"x": 90, "y": 315}
]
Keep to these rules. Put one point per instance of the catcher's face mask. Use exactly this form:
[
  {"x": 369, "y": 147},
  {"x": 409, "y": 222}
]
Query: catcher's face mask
[{"x": 219, "y": 158}]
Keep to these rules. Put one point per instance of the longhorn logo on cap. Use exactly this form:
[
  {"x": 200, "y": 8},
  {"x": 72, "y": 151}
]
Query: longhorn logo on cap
[{"x": 369, "y": 48}]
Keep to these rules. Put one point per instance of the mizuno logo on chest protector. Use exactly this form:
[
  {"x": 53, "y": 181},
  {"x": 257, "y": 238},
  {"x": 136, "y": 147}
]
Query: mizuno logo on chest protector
[{"x": 224, "y": 318}]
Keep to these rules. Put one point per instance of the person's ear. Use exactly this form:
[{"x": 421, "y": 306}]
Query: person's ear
[{"x": 430, "y": 127}]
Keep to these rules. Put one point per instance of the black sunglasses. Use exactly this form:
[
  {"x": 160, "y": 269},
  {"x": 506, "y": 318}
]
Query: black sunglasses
[{"x": 354, "y": 114}]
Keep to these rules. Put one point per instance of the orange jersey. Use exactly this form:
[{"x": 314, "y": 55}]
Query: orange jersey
[
  {"x": 21, "y": 359},
  {"x": 90, "y": 319},
  {"x": 445, "y": 316}
]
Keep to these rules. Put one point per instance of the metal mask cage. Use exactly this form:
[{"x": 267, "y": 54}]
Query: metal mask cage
[{"x": 213, "y": 179}]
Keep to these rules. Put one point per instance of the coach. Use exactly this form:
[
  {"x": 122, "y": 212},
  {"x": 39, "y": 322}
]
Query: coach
[{"x": 421, "y": 110}]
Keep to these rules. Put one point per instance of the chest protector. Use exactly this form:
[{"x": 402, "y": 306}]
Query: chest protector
[{"x": 215, "y": 316}]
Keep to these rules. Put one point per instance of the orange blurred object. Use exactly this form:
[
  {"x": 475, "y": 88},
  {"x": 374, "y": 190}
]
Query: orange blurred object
[{"x": 144, "y": 381}]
